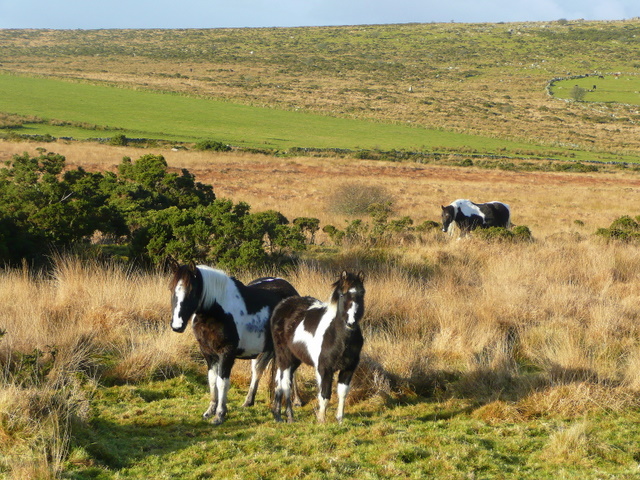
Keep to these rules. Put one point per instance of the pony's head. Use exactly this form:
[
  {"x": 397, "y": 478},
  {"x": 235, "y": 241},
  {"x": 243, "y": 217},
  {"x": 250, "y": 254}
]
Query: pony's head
[
  {"x": 348, "y": 293},
  {"x": 448, "y": 216},
  {"x": 186, "y": 292}
]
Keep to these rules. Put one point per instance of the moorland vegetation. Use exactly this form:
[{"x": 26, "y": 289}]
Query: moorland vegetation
[
  {"x": 485, "y": 79},
  {"x": 498, "y": 356}
]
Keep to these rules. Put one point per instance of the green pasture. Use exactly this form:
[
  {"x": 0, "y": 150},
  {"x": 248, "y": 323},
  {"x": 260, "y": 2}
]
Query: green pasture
[
  {"x": 155, "y": 430},
  {"x": 146, "y": 114},
  {"x": 609, "y": 89}
]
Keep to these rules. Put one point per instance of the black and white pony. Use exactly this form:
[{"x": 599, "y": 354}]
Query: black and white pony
[
  {"x": 230, "y": 320},
  {"x": 326, "y": 336},
  {"x": 468, "y": 216}
]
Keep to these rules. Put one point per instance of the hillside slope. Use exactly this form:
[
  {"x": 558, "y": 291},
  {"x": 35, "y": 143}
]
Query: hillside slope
[{"x": 486, "y": 79}]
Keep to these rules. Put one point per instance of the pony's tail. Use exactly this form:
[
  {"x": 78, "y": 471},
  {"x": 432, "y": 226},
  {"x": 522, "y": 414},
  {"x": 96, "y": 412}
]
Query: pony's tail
[{"x": 295, "y": 390}]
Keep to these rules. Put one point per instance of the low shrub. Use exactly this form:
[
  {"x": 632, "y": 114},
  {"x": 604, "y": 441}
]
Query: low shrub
[
  {"x": 212, "y": 145},
  {"x": 520, "y": 233},
  {"x": 624, "y": 228},
  {"x": 119, "y": 140},
  {"x": 358, "y": 199}
]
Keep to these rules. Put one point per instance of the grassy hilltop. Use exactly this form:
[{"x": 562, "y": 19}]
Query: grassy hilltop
[{"x": 483, "y": 79}]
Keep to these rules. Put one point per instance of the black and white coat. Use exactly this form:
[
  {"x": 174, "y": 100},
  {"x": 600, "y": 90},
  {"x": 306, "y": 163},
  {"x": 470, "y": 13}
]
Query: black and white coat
[
  {"x": 326, "y": 336},
  {"x": 468, "y": 216},
  {"x": 230, "y": 320}
]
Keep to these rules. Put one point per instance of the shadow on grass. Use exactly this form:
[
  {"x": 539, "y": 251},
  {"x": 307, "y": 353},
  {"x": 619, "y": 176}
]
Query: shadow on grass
[{"x": 132, "y": 423}]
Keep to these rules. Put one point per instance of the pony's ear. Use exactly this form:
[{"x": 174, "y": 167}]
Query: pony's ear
[
  {"x": 172, "y": 263},
  {"x": 192, "y": 266},
  {"x": 344, "y": 275},
  {"x": 442, "y": 207},
  {"x": 361, "y": 276}
]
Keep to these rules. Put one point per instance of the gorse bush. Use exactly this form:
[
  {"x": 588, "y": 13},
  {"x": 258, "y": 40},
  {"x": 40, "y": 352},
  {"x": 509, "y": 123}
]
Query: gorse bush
[
  {"x": 623, "y": 228},
  {"x": 520, "y": 233},
  {"x": 212, "y": 145},
  {"x": 380, "y": 231},
  {"x": 151, "y": 211},
  {"x": 119, "y": 140}
]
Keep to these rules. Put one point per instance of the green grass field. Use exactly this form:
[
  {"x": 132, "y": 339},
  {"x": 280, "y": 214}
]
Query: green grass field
[
  {"x": 610, "y": 89},
  {"x": 155, "y": 430},
  {"x": 174, "y": 117},
  {"x": 145, "y": 114}
]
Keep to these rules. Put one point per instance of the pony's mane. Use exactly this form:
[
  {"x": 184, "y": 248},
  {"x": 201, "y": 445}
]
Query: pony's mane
[{"x": 214, "y": 285}]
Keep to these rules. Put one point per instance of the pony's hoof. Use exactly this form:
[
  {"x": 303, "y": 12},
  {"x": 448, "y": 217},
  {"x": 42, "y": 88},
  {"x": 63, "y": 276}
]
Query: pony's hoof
[
  {"x": 218, "y": 420},
  {"x": 247, "y": 404},
  {"x": 209, "y": 412}
]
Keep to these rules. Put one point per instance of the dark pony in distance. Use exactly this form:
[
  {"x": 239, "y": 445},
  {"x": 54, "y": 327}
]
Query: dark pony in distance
[
  {"x": 326, "y": 336},
  {"x": 468, "y": 216},
  {"x": 230, "y": 320}
]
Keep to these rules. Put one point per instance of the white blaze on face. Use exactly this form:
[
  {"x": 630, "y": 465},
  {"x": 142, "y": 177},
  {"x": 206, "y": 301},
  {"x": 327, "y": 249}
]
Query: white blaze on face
[
  {"x": 180, "y": 293},
  {"x": 353, "y": 310}
]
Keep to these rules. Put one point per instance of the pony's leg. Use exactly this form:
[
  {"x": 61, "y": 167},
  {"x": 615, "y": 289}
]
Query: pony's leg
[
  {"x": 284, "y": 380},
  {"x": 325, "y": 380},
  {"x": 257, "y": 369},
  {"x": 344, "y": 384},
  {"x": 289, "y": 387},
  {"x": 222, "y": 384},
  {"x": 283, "y": 389},
  {"x": 276, "y": 405},
  {"x": 212, "y": 376}
]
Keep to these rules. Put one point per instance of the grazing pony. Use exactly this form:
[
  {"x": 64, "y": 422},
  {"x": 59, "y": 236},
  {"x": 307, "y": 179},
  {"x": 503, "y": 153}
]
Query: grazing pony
[
  {"x": 230, "y": 320},
  {"x": 326, "y": 336},
  {"x": 469, "y": 216}
]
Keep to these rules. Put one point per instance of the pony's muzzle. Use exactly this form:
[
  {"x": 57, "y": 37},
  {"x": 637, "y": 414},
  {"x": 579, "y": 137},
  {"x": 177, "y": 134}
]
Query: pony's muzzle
[{"x": 179, "y": 328}]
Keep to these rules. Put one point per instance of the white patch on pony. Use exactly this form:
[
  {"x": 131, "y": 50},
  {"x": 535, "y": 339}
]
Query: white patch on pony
[
  {"x": 324, "y": 403},
  {"x": 212, "y": 375},
  {"x": 222, "y": 384},
  {"x": 283, "y": 381},
  {"x": 176, "y": 321},
  {"x": 313, "y": 342},
  {"x": 220, "y": 288},
  {"x": 343, "y": 390},
  {"x": 251, "y": 329},
  {"x": 265, "y": 280},
  {"x": 351, "y": 313},
  {"x": 468, "y": 208}
]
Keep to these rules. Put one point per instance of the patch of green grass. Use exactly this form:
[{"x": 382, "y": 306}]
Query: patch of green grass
[
  {"x": 610, "y": 89},
  {"x": 139, "y": 113},
  {"x": 155, "y": 430}
]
